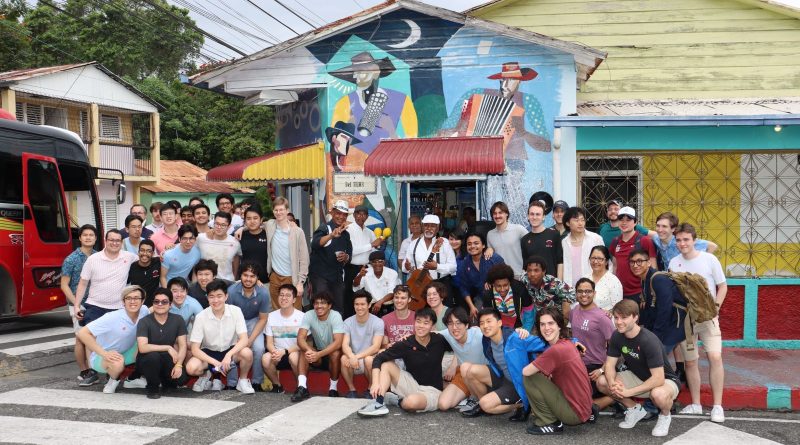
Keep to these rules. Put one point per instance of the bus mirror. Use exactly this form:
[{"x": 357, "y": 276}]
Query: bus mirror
[{"x": 121, "y": 192}]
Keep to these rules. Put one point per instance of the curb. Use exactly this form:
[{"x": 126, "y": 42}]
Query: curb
[{"x": 775, "y": 397}]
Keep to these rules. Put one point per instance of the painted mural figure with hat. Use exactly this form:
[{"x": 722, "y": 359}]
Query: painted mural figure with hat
[
  {"x": 341, "y": 136},
  {"x": 330, "y": 251},
  {"x": 364, "y": 242},
  {"x": 443, "y": 265}
]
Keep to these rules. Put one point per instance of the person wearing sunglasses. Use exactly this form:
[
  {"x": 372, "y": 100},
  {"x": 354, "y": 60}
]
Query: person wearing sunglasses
[
  {"x": 161, "y": 339},
  {"x": 112, "y": 337}
]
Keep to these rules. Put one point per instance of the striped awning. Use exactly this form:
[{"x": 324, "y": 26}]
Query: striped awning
[{"x": 298, "y": 163}]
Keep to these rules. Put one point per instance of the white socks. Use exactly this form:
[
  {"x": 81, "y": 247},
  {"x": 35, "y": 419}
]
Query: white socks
[
  {"x": 301, "y": 381},
  {"x": 334, "y": 385}
]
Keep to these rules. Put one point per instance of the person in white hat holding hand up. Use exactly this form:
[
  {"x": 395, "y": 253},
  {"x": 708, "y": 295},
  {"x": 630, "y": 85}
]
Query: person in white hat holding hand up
[{"x": 331, "y": 249}]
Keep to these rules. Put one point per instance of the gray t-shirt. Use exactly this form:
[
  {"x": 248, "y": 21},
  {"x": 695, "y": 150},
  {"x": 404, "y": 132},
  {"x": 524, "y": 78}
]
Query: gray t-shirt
[
  {"x": 322, "y": 331},
  {"x": 361, "y": 335},
  {"x": 500, "y": 358},
  {"x": 507, "y": 245}
]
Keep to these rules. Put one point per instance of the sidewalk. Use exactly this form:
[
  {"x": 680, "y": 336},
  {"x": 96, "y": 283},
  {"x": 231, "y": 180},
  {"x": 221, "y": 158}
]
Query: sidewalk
[{"x": 754, "y": 379}]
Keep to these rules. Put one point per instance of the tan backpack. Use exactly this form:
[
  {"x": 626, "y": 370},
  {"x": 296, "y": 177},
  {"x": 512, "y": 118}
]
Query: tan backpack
[{"x": 698, "y": 302}]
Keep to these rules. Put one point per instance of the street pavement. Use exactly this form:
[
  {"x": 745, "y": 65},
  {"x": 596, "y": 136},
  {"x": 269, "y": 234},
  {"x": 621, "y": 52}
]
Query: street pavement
[{"x": 40, "y": 402}]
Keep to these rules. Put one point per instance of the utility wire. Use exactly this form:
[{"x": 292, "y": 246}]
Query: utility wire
[
  {"x": 295, "y": 14},
  {"x": 320, "y": 19},
  {"x": 215, "y": 18},
  {"x": 244, "y": 19},
  {"x": 271, "y": 16}
]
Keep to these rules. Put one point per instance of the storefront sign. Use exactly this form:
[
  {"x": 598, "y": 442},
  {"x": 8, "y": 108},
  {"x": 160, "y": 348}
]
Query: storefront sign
[{"x": 354, "y": 184}]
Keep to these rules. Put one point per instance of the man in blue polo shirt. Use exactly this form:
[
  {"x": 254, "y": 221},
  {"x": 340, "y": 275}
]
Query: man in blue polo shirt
[
  {"x": 112, "y": 337},
  {"x": 178, "y": 262},
  {"x": 254, "y": 301}
]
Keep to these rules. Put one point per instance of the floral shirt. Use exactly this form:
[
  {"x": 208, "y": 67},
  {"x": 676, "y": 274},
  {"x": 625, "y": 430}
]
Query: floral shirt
[
  {"x": 552, "y": 293},
  {"x": 72, "y": 267}
]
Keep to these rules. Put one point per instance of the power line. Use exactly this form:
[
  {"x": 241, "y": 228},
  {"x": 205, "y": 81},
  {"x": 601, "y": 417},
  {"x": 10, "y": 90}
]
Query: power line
[
  {"x": 195, "y": 27},
  {"x": 244, "y": 19},
  {"x": 216, "y": 19},
  {"x": 321, "y": 20},
  {"x": 271, "y": 16},
  {"x": 295, "y": 14}
]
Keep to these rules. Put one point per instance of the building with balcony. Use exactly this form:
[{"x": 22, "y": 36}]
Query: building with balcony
[{"x": 118, "y": 124}]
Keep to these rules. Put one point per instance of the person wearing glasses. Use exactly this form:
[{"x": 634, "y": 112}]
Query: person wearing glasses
[
  {"x": 467, "y": 345},
  {"x": 221, "y": 247},
  {"x": 111, "y": 338},
  {"x": 161, "y": 340},
  {"x": 379, "y": 281},
  {"x": 608, "y": 288},
  {"x": 179, "y": 262}
]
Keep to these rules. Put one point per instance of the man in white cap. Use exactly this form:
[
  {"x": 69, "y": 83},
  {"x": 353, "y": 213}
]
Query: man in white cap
[
  {"x": 622, "y": 246},
  {"x": 610, "y": 229},
  {"x": 443, "y": 263},
  {"x": 330, "y": 251}
]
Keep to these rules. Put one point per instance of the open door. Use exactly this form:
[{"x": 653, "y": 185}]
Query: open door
[{"x": 46, "y": 234}]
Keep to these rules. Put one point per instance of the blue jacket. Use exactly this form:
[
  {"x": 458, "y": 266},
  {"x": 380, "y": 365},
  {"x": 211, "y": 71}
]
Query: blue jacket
[
  {"x": 518, "y": 353},
  {"x": 662, "y": 319}
]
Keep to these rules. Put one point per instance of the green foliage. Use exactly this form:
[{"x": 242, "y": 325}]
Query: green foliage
[
  {"x": 16, "y": 44},
  {"x": 206, "y": 128},
  {"x": 264, "y": 200}
]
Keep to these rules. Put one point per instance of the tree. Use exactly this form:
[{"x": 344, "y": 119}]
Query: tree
[
  {"x": 16, "y": 39},
  {"x": 129, "y": 37},
  {"x": 207, "y": 128}
]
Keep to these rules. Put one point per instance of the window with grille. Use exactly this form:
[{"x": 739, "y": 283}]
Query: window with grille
[
  {"x": 110, "y": 127},
  {"x": 30, "y": 113},
  {"x": 84, "y": 124},
  {"x": 56, "y": 117},
  {"x": 108, "y": 207}
]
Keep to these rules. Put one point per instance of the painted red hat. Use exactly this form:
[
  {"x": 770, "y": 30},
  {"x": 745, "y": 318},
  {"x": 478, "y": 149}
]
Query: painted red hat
[{"x": 511, "y": 70}]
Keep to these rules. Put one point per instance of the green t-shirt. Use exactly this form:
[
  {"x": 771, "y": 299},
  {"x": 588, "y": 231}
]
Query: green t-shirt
[{"x": 322, "y": 331}]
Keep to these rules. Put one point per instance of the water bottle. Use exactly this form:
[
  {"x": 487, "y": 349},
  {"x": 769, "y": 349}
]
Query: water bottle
[{"x": 215, "y": 369}]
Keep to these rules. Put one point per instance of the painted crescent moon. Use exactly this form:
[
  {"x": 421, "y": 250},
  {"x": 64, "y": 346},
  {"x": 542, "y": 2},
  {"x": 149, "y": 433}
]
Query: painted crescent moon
[{"x": 412, "y": 38}]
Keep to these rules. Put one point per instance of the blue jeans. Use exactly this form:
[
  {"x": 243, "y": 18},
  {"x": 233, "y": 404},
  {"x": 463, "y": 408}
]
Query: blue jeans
[{"x": 258, "y": 351}]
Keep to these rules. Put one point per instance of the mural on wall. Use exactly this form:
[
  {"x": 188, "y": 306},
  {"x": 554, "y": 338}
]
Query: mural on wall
[{"x": 409, "y": 75}]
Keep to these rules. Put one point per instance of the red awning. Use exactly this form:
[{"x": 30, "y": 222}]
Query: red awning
[{"x": 456, "y": 156}]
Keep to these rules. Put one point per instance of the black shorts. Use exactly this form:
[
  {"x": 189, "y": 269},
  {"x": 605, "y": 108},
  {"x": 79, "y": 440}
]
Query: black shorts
[
  {"x": 216, "y": 355},
  {"x": 596, "y": 394},
  {"x": 505, "y": 390},
  {"x": 284, "y": 363},
  {"x": 322, "y": 364},
  {"x": 92, "y": 313}
]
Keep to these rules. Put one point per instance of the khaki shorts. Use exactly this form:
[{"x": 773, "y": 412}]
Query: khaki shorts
[
  {"x": 630, "y": 380},
  {"x": 361, "y": 367},
  {"x": 711, "y": 336},
  {"x": 406, "y": 385}
]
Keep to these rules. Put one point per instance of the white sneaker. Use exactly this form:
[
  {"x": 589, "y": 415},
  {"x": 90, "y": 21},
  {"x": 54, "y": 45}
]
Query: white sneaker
[
  {"x": 662, "y": 426},
  {"x": 717, "y": 414},
  {"x": 217, "y": 385},
  {"x": 244, "y": 386},
  {"x": 139, "y": 383},
  {"x": 111, "y": 386},
  {"x": 202, "y": 383},
  {"x": 692, "y": 408},
  {"x": 632, "y": 416}
]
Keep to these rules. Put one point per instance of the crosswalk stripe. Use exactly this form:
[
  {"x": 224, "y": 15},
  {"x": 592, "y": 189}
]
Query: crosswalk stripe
[
  {"x": 291, "y": 425},
  {"x": 44, "y": 346},
  {"x": 38, "y": 333},
  {"x": 176, "y": 406},
  {"x": 708, "y": 432},
  {"x": 60, "y": 432}
]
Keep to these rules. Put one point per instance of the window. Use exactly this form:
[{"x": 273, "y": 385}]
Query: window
[
  {"x": 56, "y": 117},
  {"x": 110, "y": 127},
  {"x": 29, "y": 113},
  {"x": 47, "y": 205},
  {"x": 108, "y": 207},
  {"x": 84, "y": 124}
]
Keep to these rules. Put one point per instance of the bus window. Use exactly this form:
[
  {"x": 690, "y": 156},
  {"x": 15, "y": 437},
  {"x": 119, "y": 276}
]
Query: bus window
[
  {"x": 10, "y": 180},
  {"x": 47, "y": 206}
]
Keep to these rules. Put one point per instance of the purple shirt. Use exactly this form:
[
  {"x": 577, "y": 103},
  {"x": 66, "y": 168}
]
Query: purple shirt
[{"x": 592, "y": 328}]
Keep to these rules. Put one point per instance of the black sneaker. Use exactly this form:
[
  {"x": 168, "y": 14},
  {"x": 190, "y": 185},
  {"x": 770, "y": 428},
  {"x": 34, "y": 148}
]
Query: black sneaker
[
  {"x": 153, "y": 395},
  {"x": 257, "y": 387},
  {"x": 520, "y": 415},
  {"x": 476, "y": 411},
  {"x": 300, "y": 393},
  {"x": 333, "y": 393},
  {"x": 619, "y": 411},
  {"x": 229, "y": 388},
  {"x": 90, "y": 379},
  {"x": 277, "y": 389},
  {"x": 546, "y": 430},
  {"x": 595, "y": 414}
]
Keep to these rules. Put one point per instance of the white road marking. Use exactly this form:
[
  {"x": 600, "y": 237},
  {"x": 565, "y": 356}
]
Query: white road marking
[
  {"x": 293, "y": 425},
  {"x": 65, "y": 432},
  {"x": 176, "y": 406},
  {"x": 711, "y": 433},
  {"x": 38, "y": 333},
  {"x": 745, "y": 419},
  {"x": 35, "y": 347}
]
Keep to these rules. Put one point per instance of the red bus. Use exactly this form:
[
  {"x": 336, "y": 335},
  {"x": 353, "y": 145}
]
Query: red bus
[{"x": 39, "y": 168}]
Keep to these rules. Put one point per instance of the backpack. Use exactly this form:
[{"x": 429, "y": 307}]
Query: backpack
[{"x": 699, "y": 304}]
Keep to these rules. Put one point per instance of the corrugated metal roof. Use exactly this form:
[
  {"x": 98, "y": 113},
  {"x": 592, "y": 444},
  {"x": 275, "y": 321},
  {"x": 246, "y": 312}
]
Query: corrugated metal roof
[
  {"x": 724, "y": 107},
  {"x": 185, "y": 177},
  {"x": 297, "y": 163},
  {"x": 437, "y": 156}
]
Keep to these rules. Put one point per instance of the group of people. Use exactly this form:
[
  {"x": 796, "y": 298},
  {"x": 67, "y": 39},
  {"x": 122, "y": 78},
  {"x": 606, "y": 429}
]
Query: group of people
[{"x": 225, "y": 303}]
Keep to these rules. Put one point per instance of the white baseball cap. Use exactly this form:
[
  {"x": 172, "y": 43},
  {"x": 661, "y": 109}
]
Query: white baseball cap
[
  {"x": 430, "y": 219},
  {"x": 341, "y": 205},
  {"x": 627, "y": 211}
]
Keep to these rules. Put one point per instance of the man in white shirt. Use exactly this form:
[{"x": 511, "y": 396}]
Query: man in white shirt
[
  {"x": 443, "y": 264},
  {"x": 281, "y": 331},
  {"x": 505, "y": 239},
  {"x": 379, "y": 281},
  {"x": 415, "y": 227},
  {"x": 364, "y": 242},
  {"x": 221, "y": 247},
  {"x": 707, "y": 265},
  {"x": 225, "y": 203}
]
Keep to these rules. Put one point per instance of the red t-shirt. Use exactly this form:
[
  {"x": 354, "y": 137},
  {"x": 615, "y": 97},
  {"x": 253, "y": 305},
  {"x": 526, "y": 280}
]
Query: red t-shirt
[
  {"x": 631, "y": 284},
  {"x": 395, "y": 329},
  {"x": 563, "y": 365}
]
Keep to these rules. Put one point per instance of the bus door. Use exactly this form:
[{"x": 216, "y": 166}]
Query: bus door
[{"x": 46, "y": 234}]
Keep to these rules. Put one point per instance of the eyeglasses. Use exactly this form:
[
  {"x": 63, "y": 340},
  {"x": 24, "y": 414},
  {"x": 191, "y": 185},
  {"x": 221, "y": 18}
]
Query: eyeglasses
[
  {"x": 115, "y": 241},
  {"x": 160, "y": 302},
  {"x": 187, "y": 238},
  {"x": 637, "y": 262},
  {"x": 454, "y": 324},
  {"x": 584, "y": 292},
  {"x": 221, "y": 225},
  {"x": 131, "y": 299}
]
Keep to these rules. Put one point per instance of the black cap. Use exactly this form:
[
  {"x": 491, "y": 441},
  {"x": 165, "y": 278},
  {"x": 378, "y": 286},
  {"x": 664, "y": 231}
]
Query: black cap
[
  {"x": 377, "y": 255},
  {"x": 361, "y": 208},
  {"x": 617, "y": 201},
  {"x": 560, "y": 204}
]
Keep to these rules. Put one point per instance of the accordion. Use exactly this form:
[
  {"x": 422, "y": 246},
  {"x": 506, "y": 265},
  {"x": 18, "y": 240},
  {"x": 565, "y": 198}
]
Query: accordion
[
  {"x": 377, "y": 102},
  {"x": 487, "y": 115}
]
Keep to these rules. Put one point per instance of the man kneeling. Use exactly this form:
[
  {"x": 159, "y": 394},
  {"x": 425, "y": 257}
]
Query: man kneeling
[
  {"x": 219, "y": 341},
  {"x": 416, "y": 389}
]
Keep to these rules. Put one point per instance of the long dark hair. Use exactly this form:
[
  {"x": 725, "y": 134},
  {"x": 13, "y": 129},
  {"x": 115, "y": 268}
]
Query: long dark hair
[{"x": 558, "y": 317}]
